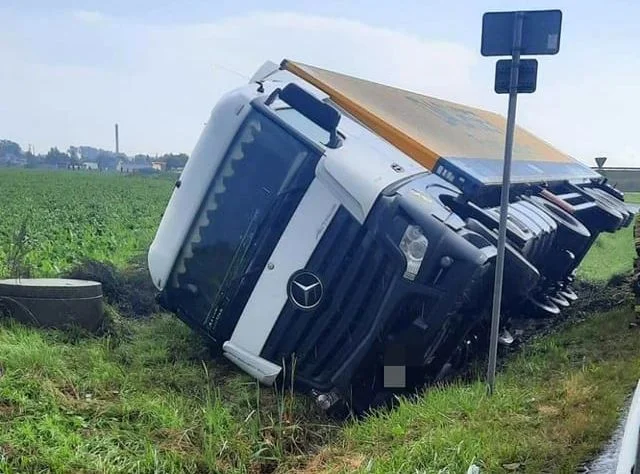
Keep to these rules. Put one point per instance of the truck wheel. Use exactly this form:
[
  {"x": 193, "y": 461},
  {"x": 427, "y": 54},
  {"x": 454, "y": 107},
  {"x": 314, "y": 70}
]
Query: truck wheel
[{"x": 543, "y": 306}]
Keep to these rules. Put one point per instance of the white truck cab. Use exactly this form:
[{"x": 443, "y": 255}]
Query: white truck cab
[{"x": 303, "y": 244}]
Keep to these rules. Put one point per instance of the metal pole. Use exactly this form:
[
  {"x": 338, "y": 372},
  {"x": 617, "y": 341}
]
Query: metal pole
[
  {"x": 117, "y": 141},
  {"x": 504, "y": 200}
]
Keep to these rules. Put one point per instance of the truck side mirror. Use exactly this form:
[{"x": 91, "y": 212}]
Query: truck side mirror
[{"x": 318, "y": 112}]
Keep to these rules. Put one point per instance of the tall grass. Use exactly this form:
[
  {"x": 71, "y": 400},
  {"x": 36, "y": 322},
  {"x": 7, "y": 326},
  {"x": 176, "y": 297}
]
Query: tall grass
[
  {"x": 145, "y": 398},
  {"x": 556, "y": 403}
]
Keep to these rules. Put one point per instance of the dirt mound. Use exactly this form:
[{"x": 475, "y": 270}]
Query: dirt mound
[
  {"x": 602, "y": 296},
  {"x": 130, "y": 290}
]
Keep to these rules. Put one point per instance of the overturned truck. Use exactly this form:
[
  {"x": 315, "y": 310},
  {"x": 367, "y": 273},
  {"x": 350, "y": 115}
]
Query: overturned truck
[{"x": 343, "y": 233}]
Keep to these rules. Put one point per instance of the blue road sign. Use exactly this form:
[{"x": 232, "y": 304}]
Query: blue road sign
[
  {"x": 540, "y": 33},
  {"x": 527, "y": 76}
]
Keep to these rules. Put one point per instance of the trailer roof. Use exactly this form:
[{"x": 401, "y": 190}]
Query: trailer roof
[{"x": 431, "y": 130}]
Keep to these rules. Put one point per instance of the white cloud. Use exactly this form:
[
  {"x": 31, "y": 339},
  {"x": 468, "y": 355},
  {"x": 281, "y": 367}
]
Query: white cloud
[{"x": 159, "y": 82}]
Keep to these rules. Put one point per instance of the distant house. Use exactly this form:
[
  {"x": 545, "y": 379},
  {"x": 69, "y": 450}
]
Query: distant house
[
  {"x": 131, "y": 167},
  {"x": 159, "y": 165}
]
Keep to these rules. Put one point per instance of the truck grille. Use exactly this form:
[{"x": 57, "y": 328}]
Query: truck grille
[{"x": 356, "y": 273}]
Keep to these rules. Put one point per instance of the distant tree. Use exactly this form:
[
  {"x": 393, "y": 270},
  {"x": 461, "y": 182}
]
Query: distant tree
[
  {"x": 142, "y": 159},
  {"x": 33, "y": 161},
  {"x": 106, "y": 160},
  {"x": 57, "y": 158},
  {"x": 74, "y": 157},
  {"x": 88, "y": 153},
  {"x": 175, "y": 161},
  {"x": 9, "y": 148}
]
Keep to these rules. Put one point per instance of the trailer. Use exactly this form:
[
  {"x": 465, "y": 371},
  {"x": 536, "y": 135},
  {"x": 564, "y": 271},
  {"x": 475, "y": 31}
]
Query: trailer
[{"x": 342, "y": 233}]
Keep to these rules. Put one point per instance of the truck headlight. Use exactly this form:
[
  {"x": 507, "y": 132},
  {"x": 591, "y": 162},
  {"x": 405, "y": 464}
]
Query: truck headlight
[{"x": 414, "y": 247}]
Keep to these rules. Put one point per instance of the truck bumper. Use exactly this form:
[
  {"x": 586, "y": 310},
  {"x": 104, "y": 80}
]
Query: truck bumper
[{"x": 366, "y": 295}]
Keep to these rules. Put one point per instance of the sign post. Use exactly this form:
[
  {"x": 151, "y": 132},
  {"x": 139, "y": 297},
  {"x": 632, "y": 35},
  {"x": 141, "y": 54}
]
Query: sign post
[{"x": 515, "y": 34}]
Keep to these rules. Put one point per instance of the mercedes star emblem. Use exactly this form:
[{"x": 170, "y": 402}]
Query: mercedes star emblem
[{"x": 305, "y": 290}]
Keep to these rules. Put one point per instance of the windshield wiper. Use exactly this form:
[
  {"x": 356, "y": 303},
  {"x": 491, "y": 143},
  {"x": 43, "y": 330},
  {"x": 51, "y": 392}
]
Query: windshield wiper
[
  {"x": 265, "y": 222},
  {"x": 267, "y": 219}
]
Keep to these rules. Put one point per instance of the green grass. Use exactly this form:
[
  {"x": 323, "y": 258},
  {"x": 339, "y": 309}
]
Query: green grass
[
  {"x": 611, "y": 254},
  {"x": 149, "y": 399},
  {"x": 71, "y": 215},
  {"x": 146, "y": 402},
  {"x": 146, "y": 396},
  {"x": 632, "y": 197},
  {"x": 555, "y": 403}
]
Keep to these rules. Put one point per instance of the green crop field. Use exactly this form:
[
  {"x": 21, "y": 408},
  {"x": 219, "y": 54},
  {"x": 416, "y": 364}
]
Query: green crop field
[
  {"x": 71, "y": 215},
  {"x": 145, "y": 396}
]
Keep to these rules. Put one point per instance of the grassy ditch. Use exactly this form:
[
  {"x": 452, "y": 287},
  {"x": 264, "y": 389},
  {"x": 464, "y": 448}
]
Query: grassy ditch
[
  {"x": 140, "y": 399},
  {"x": 145, "y": 396},
  {"x": 556, "y": 403},
  {"x": 611, "y": 254}
]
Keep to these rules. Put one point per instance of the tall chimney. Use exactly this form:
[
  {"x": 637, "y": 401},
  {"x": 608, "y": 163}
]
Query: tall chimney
[{"x": 117, "y": 141}]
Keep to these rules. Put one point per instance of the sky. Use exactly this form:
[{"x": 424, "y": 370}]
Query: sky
[{"x": 71, "y": 69}]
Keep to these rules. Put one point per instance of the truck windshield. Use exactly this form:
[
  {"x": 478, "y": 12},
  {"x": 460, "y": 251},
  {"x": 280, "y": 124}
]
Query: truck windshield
[
  {"x": 303, "y": 125},
  {"x": 265, "y": 166}
]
